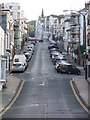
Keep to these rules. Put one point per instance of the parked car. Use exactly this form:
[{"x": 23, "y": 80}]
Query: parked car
[
  {"x": 30, "y": 48},
  {"x": 53, "y": 54},
  {"x": 57, "y": 65},
  {"x": 19, "y": 63},
  {"x": 52, "y": 42},
  {"x": 18, "y": 67},
  {"x": 53, "y": 49},
  {"x": 33, "y": 40},
  {"x": 58, "y": 58},
  {"x": 28, "y": 56},
  {"x": 52, "y": 46},
  {"x": 41, "y": 40},
  {"x": 65, "y": 67}
]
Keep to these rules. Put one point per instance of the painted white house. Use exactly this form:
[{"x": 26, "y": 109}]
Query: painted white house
[
  {"x": 2, "y": 55},
  {"x": 8, "y": 27},
  {"x": 87, "y": 6}
]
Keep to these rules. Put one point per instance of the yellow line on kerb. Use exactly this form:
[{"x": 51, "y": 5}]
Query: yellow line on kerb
[
  {"x": 77, "y": 97},
  {"x": 14, "y": 99}
]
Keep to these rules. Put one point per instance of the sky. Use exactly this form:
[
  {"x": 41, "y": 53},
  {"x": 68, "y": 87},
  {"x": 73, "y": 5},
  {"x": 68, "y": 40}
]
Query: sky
[{"x": 33, "y": 8}]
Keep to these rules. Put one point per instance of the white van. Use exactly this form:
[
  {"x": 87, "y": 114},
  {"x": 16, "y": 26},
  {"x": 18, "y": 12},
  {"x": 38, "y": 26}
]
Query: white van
[{"x": 19, "y": 63}]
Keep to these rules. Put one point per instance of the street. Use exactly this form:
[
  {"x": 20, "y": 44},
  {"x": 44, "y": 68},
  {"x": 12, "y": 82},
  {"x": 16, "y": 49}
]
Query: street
[{"x": 46, "y": 93}]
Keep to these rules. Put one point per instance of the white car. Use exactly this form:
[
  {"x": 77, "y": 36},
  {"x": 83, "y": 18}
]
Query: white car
[
  {"x": 19, "y": 63},
  {"x": 18, "y": 66}
]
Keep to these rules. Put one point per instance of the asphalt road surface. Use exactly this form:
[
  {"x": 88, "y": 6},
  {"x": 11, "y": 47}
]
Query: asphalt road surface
[{"x": 46, "y": 93}]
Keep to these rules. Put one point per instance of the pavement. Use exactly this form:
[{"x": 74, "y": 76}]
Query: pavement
[
  {"x": 10, "y": 93},
  {"x": 80, "y": 87}
]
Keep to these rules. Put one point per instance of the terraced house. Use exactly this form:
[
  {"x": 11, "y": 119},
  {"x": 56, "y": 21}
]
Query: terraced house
[
  {"x": 87, "y": 6},
  {"x": 2, "y": 54}
]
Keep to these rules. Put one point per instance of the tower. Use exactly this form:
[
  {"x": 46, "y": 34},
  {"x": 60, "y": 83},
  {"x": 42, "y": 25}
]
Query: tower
[{"x": 42, "y": 14}]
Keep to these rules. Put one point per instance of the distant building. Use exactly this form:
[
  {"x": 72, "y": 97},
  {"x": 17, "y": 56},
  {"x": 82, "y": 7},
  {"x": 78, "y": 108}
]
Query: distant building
[
  {"x": 40, "y": 25},
  {"x": 47, "y": 27}
]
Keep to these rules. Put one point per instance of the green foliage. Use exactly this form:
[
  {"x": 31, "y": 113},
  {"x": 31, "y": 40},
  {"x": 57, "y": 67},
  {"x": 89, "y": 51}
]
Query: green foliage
[
  {"x": 76, "y": 52},
  {"x": 31, "y": 30},
  {"x": 82, "y": 49}
]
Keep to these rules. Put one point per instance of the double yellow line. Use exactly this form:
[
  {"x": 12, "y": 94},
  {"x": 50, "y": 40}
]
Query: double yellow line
[
  {"x": 77, "y": 97},
  {"x": 20, "y": 88},
  {"x": 13, "y": 100}
]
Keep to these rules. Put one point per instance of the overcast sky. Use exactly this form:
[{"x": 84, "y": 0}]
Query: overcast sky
[{"x": 33, "y": 8}]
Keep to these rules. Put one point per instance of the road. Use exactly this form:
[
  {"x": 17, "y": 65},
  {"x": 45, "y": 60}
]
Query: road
[{"x": 46, "y": 93}]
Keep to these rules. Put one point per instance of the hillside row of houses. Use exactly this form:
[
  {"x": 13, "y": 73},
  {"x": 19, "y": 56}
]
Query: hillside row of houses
[
  {"x": 13, "y": 33},
  {"x": 73, "y": 29}
]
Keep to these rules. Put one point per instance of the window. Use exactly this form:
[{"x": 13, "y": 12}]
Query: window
[
  {"x": 88, "y": 20},
  {"x": 10, "y": 7},
  {"x": 16, "y": 60},
  {"x": 88, "y": 39},
  {"x": 88, "y": 55},
  {"x": 18, "y": 7},
  {"x": 11, "y": 13}
]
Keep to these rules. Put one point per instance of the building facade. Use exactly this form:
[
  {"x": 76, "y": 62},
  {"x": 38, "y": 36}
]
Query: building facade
[
  {"x": 19, "y": 23},
  {"x": 2, "y": 54},
  {"x": 87, "y": 6}
]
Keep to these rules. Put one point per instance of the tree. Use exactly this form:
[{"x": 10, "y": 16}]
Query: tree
[
  {"x": 82, "y": 50},
  {"x": 31, "y": 30}
]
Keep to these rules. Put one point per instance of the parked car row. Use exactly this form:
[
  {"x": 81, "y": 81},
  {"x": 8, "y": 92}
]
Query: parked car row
[
  {"x": 20, "y": 61},
  {"x": 60, "y": 61}
]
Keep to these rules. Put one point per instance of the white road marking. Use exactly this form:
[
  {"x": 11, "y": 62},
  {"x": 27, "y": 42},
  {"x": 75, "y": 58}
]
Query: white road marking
[
  {"x": 41, "y": 84},
  {"x": 34, "y": 105}
]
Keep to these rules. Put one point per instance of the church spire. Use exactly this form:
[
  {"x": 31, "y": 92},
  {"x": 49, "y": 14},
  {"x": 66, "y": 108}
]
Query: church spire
[{"x": 42, "y": 14}]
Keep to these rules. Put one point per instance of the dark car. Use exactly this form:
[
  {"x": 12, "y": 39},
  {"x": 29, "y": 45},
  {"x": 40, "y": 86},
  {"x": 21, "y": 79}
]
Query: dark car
[
  {"x": 68, "y": 68},
  {"x": 52, "y": 46},
  {"x": 41, "y": 40}
]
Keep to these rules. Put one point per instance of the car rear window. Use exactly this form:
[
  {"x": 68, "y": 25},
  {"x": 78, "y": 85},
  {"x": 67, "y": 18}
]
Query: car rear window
[
  {"x": 16, "y": 65},
  {"x": 16, "y": 60}
]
